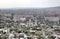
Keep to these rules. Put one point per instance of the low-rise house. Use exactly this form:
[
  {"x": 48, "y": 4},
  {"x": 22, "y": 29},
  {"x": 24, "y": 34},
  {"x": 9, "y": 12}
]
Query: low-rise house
[
  {"x": 22, "y": 19},
  {"x": 35, "y": 37},
  {"x": 22, "y": 24},
  {"x": 1, "y": 29},
  {"x": 57, "y": 36},
  {"x": 11, "y": 36}
]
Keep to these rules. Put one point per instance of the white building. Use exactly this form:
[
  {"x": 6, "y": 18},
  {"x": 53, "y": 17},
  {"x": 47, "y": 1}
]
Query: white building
[
  {"x": 11, "y": 36},
  {"x": 52, "y": 18}
]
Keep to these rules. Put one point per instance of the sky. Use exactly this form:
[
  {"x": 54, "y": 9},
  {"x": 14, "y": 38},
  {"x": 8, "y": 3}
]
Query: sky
[{"x": 29, "y": 3}]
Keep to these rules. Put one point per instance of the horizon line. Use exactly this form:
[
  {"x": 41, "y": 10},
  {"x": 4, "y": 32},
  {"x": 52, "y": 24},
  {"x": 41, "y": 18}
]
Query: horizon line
[{"x": 29, "y": 7}]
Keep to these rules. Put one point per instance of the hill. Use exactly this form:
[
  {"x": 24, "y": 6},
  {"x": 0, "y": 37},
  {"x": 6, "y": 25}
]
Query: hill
[{"x": 30, "y": 11}]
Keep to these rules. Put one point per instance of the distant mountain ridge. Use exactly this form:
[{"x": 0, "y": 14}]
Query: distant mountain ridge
[{"x": 38, "y": 11}]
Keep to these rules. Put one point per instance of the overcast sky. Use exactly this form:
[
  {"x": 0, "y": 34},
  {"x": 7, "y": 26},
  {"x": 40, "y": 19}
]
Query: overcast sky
[{"x": 29, "y": 3}]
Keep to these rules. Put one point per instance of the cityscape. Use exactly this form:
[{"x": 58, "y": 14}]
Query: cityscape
[{"x": 30, "y": 23}]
